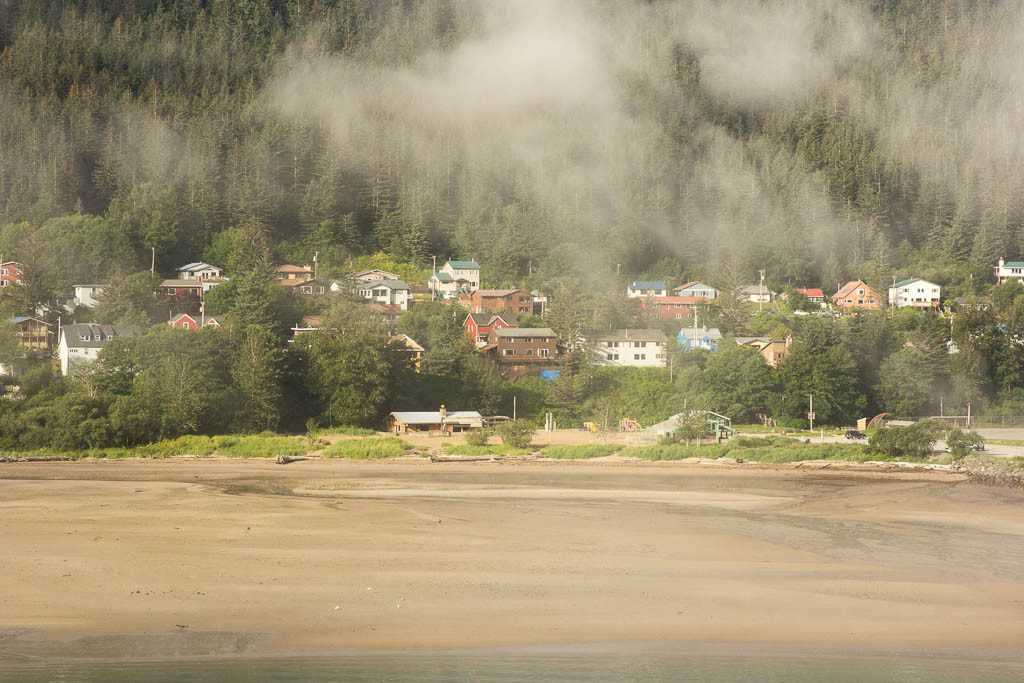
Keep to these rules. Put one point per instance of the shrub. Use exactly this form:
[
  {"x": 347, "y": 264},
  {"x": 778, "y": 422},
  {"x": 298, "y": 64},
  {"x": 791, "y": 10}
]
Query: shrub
[
  {"x": 580, "y": 452},
  {"x": 497, "y": 449},
  {"x": 915, "y": 441},
  {"x": 368, "y": 449},
  {"x": 517, "y": 433},
  {"x": 961, "y": 443},
  {"x": 477, "y": 437}
]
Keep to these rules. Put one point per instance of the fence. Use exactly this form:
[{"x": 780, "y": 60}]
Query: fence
[{"x": 976, "y": 421}]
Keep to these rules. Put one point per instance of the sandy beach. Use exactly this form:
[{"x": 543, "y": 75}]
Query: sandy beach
[{"x": 192, "y": 557}]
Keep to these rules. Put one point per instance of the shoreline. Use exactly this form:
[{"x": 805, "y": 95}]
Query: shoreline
[{"x": 322, "y": 557}]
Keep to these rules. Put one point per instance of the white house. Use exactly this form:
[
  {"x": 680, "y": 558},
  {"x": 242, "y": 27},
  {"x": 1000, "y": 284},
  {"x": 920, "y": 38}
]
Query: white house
[
  {"x": 914, "y": 293},
  {"x": 647, "y": 288},
  {"x": 633, "y": 348},
  {"x": 1009, "y": 270},
  {"x": 199, "y": 271},
  {"x": 82, "y": 342},
  {"x": 370, "y": 274},
  {"x": 85, "y": 295},
  {"x": 455, "y": 277},
  {"x": 758, "y": 294},
  {"x": 698, "y": 289},
  {"x": 394, "y": 292}
]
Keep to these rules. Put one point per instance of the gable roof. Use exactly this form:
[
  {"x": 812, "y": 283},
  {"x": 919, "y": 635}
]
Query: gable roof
[
  {"x": 89, "y": 335},
  {"x": 912, "y": 280},
  {"x": 289, "y": 268},
  {"x": 525, "y": 332},
  {"x": 848, "y": 288},
  {"x": 712, "y": 333},
  {"x": 755, "y": 289},
  {"x": 630, "y": 335},
  {"x": 693, "y": 285},
  {"x": 198, "y": 265},
  {"x": 497, "y": 293},
  {"x": 390, "y": 284},
  {"x": 182, "y": 284},
  {"x": 18, "y": 319},
  {"x": 487, "y": 319},
  {"x": 662, "y": 300},
  {"x": 648, "y": 284},
  {"x": 1006, "y": 264},
  {"x": 181, "y": 316},
  {"x": 463, "y": 265},
  {"x": 408, "y": 341},
  {"x": 443, "y": 277},
  {"x": 811, "y": 292}
]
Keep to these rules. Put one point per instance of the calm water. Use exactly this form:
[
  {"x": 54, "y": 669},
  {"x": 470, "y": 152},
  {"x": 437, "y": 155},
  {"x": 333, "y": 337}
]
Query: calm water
[{"x": 530, "y": 667}]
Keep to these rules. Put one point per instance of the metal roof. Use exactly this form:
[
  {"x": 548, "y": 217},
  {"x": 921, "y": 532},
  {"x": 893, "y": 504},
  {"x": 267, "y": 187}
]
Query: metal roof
[
  {"x": 464, "y": 265},
  {"x": 390, "y": 284},
  {"x": 429, "y": 417},
  {"x": 525, "y": 332},
  {"x": 89, "y": 335},
  {"x": 648, "y": 284},
  {"x": 630, "y": 335}
]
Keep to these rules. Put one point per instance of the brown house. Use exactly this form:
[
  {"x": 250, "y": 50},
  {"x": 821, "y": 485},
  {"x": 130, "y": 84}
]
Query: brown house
[
  {"x": 291, "y": 272},
  {"x": 856, "y": 294},
  {"x": 525, "y": 346},
  {"x": 498, "y": 301},
  {"x": 32, "y": 333}
]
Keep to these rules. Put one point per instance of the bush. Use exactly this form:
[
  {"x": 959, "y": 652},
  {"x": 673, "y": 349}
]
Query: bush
[
  {"x": 368, "y": 449},
  {"x": 961, "y": 443},
  {"x": 516, "y": 433},
  {"x": 579, "y": 452},
  {"x": 915, "y": 441},
  {"x": 498, "y": 449},
  {"x": 477, "y": 437}
]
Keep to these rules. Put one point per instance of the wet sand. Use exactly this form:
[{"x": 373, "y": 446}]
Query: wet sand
[{"x": 194, "y": 557}]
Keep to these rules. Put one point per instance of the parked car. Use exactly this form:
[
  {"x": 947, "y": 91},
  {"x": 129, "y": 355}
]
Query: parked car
[{"x": 855, "y": 434}]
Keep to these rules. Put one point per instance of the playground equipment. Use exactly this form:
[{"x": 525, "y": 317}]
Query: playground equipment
[
  {"x": 628, "y": 424},
  {"x": 591, "y": 427}
]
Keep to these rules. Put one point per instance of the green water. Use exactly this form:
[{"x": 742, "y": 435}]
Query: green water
[{"x": 551, "y": 666}]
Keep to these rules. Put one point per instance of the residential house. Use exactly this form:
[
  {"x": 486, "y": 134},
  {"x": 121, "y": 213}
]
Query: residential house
[
  {"x": 183, "y": 291},
  {"x": 758, "y": 294},
  {"x": 394, "y": 292},
  {"x": 813, "y": 294},
  {"x": 696, "y": 289},
  {"x": 540, "y": 302},
  {"x": 498, "y": 300},
  {"x": 914, "y": 293},
  {"x": 671, "y": 307},
  {"x": 856, "y": 294},
  {"x": 646, "y": 288},
  {"x": 388, "y": 312},
  {"x": 440, "y": 421},
  {"x": 11, "y": 273},
  {"x": 32, "y": 333},
  {"x": 455, "y": 277},
  {"x": 479, "y": 325},
  {"x": 409, "y": 345},
  {"x": 772, "y": 350},
  {"x": 632, "y": 348},
  {"x": 187, "y": 322},
  {"x": 1005, "y": 271},
  {"x": 308, "y": 287},
  {"x": 524, "y": 346},
  {"x": 691, "y": 338},
  {"x": 369, "y": 274},
  {"x": 199, "y": 271},
  {"x": 290, "y": 272},
  {"x": 82, "y": 342},
  {"x": 86, "y": 296},
  {"x": 309, "y": 323}
]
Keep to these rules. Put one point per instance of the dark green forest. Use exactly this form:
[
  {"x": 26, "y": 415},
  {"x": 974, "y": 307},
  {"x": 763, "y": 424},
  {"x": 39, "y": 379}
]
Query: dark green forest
[
  {"x": 175, "y": 120},
  {"x": 569, "y": 147}
]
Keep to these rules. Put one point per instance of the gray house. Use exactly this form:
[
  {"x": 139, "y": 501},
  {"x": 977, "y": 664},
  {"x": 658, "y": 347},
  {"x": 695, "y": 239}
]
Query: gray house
[{"x": 82, "y": 342}]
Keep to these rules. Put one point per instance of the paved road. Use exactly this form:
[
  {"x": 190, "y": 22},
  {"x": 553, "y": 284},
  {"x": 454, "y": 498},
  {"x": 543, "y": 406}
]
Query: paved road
[{"x": 997, "y": 450}]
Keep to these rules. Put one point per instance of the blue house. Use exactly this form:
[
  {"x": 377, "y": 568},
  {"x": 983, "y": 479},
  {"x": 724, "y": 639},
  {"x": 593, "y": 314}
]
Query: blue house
[
  {"x": 699, "y": 338},
  {"x": 696, "y": 289},
  {"x": 647, "y": 288}
]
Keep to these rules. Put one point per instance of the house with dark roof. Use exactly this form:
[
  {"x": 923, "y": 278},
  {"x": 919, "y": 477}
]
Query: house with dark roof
[
  {"x": 82, "y": 342},
  {"x": 645, "y": 288},
  {"x": 513, "y": 300},
  {"x": 288, "y": 271},
  {"x": 535, "y": 347}
]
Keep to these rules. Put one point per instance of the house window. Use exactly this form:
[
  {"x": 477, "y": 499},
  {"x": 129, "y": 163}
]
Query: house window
[
  {"x": 509, "y": 352},
  {"x": 543, "y": 353},
  {"x": 611, "y": 356},
  {"x": 527, "y": 340},
  {"x": 528, "y": 352},
  {"x": 679, "y": 316}
]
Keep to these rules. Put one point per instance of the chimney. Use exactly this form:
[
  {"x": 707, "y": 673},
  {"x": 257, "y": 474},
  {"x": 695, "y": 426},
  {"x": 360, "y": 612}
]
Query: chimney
[
  {"x": 1001, "y": 261},
  {"x": 444, "y": 413}
]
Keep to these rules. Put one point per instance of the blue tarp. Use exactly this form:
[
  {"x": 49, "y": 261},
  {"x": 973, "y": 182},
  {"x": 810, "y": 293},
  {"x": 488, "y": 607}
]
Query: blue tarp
[{"x": 550, "y": 374}]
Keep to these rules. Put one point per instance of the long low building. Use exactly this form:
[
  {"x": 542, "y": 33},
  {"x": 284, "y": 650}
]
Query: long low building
[
  {"x": 434, "y": 421},
  {"x": 634, "y": 348}
]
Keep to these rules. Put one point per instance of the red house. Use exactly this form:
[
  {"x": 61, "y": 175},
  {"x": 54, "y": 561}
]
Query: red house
[
  {"x": 671, "y": 307},
  {"x": 11, "y": 273},
  {"x": 479, "y": 325},
  {"x": 187, "y": 322}
]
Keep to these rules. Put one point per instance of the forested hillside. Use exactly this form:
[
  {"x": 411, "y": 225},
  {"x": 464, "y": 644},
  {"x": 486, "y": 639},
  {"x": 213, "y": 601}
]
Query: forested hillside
[{"x": 818, "y": 141}]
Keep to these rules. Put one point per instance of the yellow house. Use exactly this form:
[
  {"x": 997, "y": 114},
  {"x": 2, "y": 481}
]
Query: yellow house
[{"x": 408, "y": 344}]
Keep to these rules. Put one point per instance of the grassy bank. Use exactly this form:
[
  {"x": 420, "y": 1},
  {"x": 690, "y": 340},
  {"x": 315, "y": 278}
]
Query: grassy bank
[
  {"x": 368, "y": 449},
  {"x": 769, "y": 450},
  {"x": 580, "y": 452},
  {"x": 466, "y": 449}
]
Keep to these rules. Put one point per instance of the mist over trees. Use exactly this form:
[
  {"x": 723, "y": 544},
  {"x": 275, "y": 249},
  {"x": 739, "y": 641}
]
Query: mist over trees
[{"x": 818, "y": 141}]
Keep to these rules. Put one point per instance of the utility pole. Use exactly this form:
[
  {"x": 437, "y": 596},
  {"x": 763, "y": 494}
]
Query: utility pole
[
  {"x": 152, "y": 261},
  {"x": 810, "y": 411},
  {"x": 513, "y": 407},
  {"x": 316, "y": 257},
  {"x": 968, "y": 414},
  {"x": 760, "y": 292}
]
